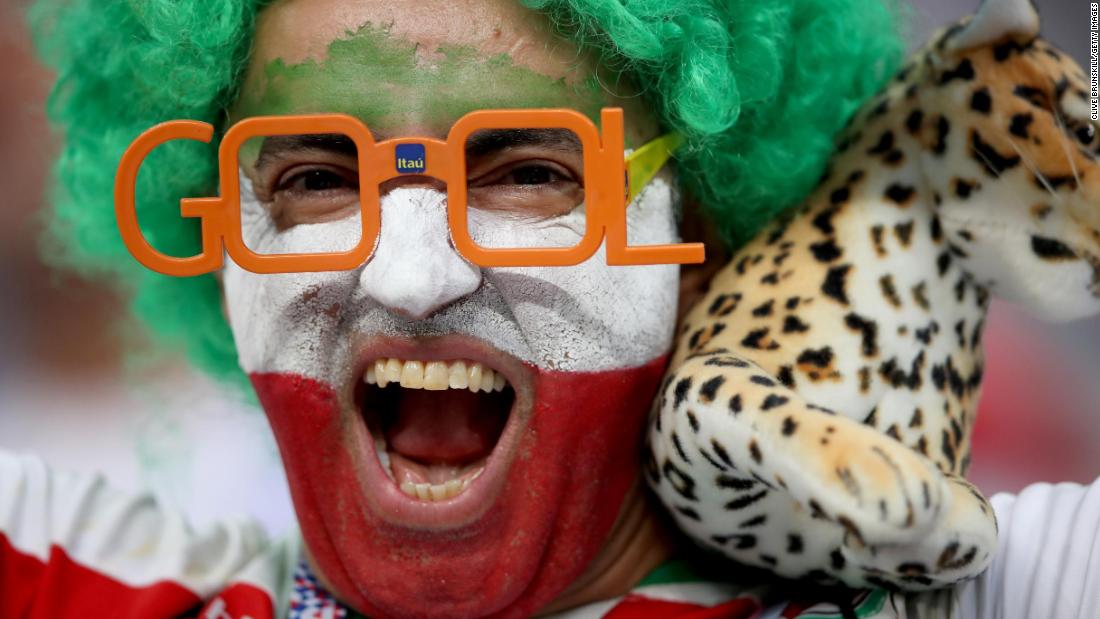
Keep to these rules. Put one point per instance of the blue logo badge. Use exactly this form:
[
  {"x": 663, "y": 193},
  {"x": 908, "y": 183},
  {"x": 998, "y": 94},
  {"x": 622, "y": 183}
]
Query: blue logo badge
[{"x": 410, "y": 158}]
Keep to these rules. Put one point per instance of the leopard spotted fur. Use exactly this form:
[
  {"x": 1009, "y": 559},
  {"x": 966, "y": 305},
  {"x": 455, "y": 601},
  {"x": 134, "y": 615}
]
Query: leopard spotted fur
[{"x": 816, "y": 417}]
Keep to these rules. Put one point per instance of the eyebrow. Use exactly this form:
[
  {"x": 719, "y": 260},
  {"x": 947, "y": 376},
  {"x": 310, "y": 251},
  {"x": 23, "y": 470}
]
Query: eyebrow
[
  {"x": 478, "y": 144},
  {"x": 275, "y": 145},
  {"x": 493, "y": 140}
]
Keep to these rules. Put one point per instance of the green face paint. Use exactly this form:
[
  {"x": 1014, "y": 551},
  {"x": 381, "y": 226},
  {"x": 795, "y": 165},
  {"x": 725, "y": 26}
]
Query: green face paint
[{"x": 387, "y": 83}]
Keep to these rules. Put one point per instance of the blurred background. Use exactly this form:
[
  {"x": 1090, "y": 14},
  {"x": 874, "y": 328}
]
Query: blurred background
[{"x": 67, "y": 393}]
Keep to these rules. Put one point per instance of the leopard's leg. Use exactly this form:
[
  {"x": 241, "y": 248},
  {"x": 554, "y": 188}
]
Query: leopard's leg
[
  {"x": 958, "y": 548},
  {"x": 748, "y": 467},
  {"x": 721, "y": 410}
]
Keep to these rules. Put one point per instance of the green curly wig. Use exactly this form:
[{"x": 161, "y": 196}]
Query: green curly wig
[{"x": 759, "y": 88}]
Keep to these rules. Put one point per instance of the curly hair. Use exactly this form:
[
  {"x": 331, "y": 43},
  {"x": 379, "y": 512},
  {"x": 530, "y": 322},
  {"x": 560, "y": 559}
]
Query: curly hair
[{"x": 759, "y": 90}]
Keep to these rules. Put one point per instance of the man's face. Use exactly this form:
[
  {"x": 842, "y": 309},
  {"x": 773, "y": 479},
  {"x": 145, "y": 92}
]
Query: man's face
[{"x": 458, "y": 440}]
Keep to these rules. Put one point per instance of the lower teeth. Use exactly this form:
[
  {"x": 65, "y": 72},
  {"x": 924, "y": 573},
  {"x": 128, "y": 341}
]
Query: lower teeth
[
  {"x": 383, "y": 455},
  {"x": 438, "y": 492},
  {"x": 423, "y": 491}
]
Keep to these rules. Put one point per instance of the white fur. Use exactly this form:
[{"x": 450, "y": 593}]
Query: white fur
[{"x": 997, "y": 19}]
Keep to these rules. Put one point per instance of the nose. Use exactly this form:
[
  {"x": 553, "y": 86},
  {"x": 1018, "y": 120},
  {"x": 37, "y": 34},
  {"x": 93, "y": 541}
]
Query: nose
[{"x": 414, "y": 270}]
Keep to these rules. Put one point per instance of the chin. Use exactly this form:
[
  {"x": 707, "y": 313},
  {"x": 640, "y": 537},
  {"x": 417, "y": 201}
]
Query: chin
[{"x": 425, "y": 488}]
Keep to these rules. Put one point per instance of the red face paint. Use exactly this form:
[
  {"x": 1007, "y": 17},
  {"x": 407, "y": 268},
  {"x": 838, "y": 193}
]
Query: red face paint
[{"x": 573, "y": 460}]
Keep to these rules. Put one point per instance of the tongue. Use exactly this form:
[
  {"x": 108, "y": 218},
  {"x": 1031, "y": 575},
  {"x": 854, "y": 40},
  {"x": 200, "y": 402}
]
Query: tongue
[{"x": 452, "y": 426}]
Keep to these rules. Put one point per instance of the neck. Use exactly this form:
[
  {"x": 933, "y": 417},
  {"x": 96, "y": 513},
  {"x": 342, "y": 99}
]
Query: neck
[{"x": 636, "y": 545}]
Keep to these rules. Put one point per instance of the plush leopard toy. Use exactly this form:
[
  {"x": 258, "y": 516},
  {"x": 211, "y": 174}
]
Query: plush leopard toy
[{"x": 817, "y": 413}]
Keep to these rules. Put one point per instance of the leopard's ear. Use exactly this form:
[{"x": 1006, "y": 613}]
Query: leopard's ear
[{"x": 996, "y": 20}]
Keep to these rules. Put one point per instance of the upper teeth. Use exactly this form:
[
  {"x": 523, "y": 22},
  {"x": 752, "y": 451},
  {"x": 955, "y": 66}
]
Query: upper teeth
[{"x": 434, "y": 375}]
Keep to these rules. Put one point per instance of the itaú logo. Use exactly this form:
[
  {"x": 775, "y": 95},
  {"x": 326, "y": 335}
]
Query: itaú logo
[{"x": 410, "y": 158}]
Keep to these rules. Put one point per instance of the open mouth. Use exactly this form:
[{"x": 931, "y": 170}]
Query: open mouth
[{"x": 434, "y": 423}]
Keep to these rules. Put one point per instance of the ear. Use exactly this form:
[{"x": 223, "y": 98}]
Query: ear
[{"x": 998, "y": 19}]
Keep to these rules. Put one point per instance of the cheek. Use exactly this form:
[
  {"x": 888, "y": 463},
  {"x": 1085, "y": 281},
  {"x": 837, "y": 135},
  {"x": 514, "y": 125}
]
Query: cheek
[
  {"x": 592, "y": 317},
  {"x": 288, "y": 322}
]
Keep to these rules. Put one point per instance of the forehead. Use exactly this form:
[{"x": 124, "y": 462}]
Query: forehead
[
  {"x": 298, "y": 30},
  {"x": 414, "y": 65}
]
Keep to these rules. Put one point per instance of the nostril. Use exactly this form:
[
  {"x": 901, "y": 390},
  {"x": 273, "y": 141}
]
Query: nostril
[
  {"x": 412, "y": 181},
  {"x": 411, "y": 307},
  {"x": 417, "y": 287}
]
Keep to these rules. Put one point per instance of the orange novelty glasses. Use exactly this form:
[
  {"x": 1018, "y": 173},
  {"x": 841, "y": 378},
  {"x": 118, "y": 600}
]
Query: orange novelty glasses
[{"x": 606, "y": 197}]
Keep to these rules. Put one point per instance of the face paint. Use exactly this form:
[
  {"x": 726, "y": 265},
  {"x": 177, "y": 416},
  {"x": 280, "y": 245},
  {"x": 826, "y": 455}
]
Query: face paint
[
  {"x": 582, "y": 348},
  {"x": 563, "y": 318},
  {"x": 388, "y": 91}
]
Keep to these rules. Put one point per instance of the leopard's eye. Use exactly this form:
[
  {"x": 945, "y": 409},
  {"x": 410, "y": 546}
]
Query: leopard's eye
[{"x": 1085, "y": 133}]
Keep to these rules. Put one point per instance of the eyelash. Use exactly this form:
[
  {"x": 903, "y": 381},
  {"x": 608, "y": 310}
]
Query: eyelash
[
  {"x": 564, "y": 173},
  {"x": 290, "y": 177}
]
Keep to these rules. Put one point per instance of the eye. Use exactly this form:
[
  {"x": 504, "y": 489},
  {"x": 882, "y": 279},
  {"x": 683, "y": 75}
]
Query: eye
[
  {"x": 525, "y": 173},
  {"x": 1085, "y": 133},
  {"x": 313, "y": 180},
  {"x": 539, "y": 187},
  {"x": 532, "y": 175},
  {"x": 313, "y": 193}
]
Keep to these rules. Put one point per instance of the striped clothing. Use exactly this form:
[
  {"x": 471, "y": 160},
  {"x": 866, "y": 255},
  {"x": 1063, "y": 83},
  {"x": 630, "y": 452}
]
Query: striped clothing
[{"x": 72, "y": 547}]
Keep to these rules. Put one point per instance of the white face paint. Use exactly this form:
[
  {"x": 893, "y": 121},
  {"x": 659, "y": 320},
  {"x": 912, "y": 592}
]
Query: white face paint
[{"x": 589, "y": 317}]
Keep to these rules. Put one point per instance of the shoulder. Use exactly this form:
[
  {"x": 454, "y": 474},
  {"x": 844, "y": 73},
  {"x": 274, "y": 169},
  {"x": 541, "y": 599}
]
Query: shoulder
[
  {"x": 1048, "y": 557},
  {"x": 1047, "y": 562},
  {"x": 77, "y": 545}
]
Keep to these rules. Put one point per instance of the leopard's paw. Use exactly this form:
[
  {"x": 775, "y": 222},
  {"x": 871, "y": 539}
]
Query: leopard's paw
[{"x": 876, "y": 488}]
